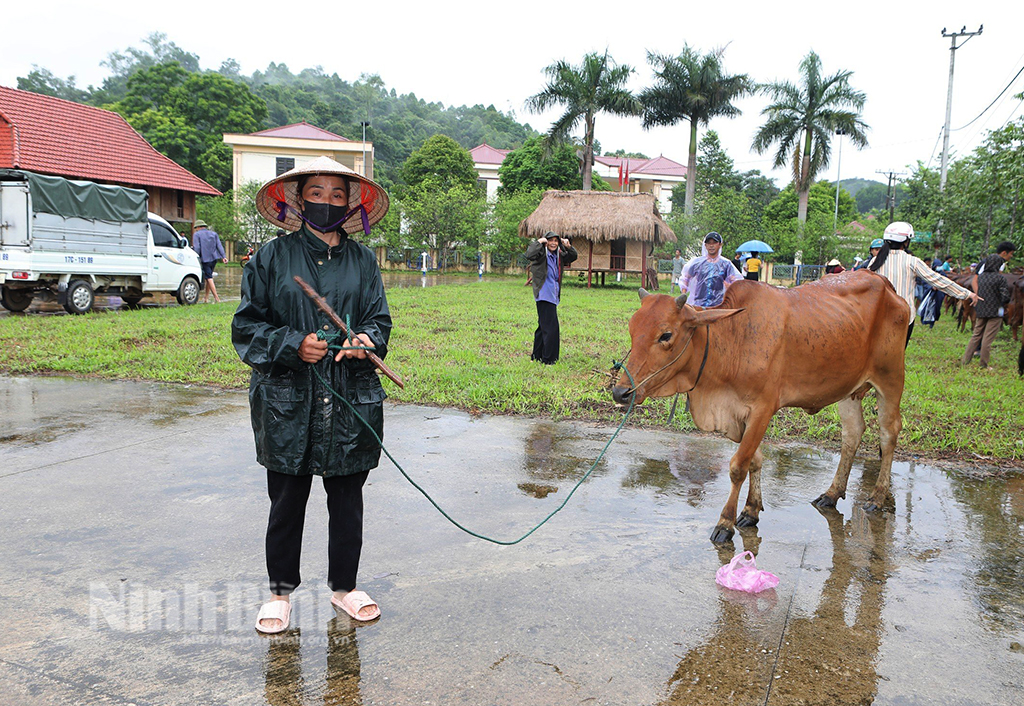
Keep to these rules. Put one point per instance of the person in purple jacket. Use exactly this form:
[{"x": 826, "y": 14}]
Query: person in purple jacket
[{"x": 207, "y": 243}]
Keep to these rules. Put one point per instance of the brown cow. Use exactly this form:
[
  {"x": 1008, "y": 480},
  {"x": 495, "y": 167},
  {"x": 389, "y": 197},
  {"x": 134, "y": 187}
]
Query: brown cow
[{"x": 766, "y": 348}]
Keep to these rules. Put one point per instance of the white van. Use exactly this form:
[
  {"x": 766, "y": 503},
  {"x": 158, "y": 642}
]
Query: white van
[{"x": 78, "y": 238}]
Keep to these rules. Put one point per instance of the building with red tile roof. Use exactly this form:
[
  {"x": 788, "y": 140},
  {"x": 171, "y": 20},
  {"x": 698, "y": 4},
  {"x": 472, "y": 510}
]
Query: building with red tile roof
[
  {"x": 302, "y": 131},
  {"x": 658, "y": 176},
  {"x": 261, "y": 156},
  {"x": 53, "y": 136}
]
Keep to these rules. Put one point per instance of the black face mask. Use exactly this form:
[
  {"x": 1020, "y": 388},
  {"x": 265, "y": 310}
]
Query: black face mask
[{"x": 322, "y": 216}]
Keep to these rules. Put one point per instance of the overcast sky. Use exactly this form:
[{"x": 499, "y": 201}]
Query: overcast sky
[{"x": 494, "y": 53}]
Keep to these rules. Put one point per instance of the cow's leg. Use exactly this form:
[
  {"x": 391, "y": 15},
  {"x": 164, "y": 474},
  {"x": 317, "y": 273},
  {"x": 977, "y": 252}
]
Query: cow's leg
[
  {"x": 851, "y": 415},
  {"x": 889, "y": 427},
  {"x": 752, "y": 510},
  {"x": 738, "y": 467}
]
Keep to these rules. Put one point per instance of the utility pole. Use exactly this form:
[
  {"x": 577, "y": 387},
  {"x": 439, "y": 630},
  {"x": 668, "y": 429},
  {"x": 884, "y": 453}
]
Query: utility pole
[
  {"x": 365, "y": 124},
  {"x": 890, "y": 191},
  {"x": 953, "y": 36}
]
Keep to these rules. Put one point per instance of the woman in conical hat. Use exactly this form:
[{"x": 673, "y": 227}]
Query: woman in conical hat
[{"x": 301, "y": 428}]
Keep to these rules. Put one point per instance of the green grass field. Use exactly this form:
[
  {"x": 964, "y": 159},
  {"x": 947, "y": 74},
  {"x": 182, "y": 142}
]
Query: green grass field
[{"x": 468, "y": 346}]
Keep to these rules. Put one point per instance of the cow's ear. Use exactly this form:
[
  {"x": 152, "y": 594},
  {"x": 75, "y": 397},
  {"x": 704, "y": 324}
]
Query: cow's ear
[
  {"x": 681, "y": 300},
  {"x": 711, "y": 316}
]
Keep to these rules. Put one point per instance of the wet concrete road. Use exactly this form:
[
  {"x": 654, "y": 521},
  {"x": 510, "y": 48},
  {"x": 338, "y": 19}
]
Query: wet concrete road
[
  {"x": 133, "y": 518},
  {"x": 229, "y": 284}
]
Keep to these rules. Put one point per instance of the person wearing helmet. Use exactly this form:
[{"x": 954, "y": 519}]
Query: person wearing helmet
[
  {"x": 876, "y": 245},
  {"x": 902, "y": 269}
]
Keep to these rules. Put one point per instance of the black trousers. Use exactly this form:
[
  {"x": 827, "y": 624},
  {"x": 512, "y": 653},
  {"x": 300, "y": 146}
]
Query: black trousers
[
  {"x": 545, "y": 338},
  {"x": 756, "y": 276},
  {"x": 288, "y": 496}
]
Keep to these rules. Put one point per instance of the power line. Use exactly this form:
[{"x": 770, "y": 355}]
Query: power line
[
  {"x": 993, "y": 101},
  {"x": 937, "y": 138},
  {"x": 890, "y": 191}
]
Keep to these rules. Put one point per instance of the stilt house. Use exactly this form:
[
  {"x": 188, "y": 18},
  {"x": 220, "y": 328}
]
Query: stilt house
[{"x": 612, "y": 232}]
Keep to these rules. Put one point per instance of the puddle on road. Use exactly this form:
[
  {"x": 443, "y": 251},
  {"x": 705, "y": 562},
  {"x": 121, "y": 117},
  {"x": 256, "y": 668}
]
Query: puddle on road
[{"x": 922, "y": 604}]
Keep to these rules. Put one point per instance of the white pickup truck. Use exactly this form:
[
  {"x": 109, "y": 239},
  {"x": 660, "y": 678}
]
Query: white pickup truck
[{"x": 78, "y": 238}]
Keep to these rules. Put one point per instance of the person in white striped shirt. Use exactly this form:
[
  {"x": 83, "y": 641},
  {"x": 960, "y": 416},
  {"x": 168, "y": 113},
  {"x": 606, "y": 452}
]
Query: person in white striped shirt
[{"x": 902, "y": 269}]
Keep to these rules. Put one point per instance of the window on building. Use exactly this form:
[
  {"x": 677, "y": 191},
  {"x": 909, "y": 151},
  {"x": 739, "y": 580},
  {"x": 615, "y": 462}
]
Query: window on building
[
  {"x": 618, "y": 254},
  {"x": 181, "y": 203},
  {"x": 285, "y": 164}
]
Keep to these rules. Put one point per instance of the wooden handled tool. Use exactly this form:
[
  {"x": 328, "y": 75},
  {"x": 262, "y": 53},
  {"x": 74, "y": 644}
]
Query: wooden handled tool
[{"x": 322, "y": 304}]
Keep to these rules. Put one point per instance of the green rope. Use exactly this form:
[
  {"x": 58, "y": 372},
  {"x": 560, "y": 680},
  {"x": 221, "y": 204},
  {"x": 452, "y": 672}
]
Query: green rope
[
  {"x": 332, "y": 337},
  {"x": 625, "y": 417}
]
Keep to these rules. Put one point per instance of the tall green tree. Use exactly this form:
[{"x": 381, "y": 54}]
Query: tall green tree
[
  {"x": 595, "y": 86},
  {"x": 442, "y": 159},
  {"x": 43, "y": 81},
  {"x": 533, "y": 167},
  {"x": 185, "y": 115},
  {"x": 448, "y": 219},
  {"x": 715, "y": 168},
  {"x": 692, "y": 87},
  {"x": 441, "y": 200},
  {"x": 509, "y": 211},
  {"x": 787, "y": 235},
  {"x": 801, "y": 120}
]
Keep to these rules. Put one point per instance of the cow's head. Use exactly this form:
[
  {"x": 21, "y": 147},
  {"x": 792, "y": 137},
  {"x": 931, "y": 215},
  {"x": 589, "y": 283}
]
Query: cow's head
[{"x": 664, "y": 359}]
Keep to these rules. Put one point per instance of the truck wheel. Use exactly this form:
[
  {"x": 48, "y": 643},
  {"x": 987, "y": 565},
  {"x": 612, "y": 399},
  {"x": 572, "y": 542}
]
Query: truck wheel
[
  {"x": 15, "y": 299},
  {"x": 188, "y": 291},
  {"x": 79, "y": 297}
]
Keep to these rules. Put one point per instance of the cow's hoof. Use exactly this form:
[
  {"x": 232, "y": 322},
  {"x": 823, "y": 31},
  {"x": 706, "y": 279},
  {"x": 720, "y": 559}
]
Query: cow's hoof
[
  {"x": 824, "y": 500},
  {"x": 721, "y": 535},
  {"x": 745, "y": 520}
]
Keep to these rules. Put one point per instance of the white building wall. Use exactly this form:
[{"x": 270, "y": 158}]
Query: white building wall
[{"x": 257, "y": 167}]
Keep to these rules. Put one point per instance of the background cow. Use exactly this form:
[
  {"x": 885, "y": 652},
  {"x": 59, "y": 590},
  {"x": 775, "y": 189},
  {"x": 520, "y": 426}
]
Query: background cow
[{"x": 766, "y": 348}]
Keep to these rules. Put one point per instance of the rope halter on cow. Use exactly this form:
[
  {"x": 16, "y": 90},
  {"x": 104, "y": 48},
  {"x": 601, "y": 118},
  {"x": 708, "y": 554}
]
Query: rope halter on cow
[{"x": 700, "y": 372}]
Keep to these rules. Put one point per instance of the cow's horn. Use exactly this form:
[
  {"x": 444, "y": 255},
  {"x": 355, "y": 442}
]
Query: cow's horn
[
  {"x": 681, "y": 299},
  {"x": 643, "y": 293}
]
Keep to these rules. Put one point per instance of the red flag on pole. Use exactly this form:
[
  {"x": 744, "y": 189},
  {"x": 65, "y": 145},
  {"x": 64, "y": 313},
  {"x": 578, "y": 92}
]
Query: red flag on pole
[{"x": 627, "y": 175}]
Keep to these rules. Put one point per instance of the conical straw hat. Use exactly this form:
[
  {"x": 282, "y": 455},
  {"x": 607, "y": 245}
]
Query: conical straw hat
[{"x": 278, "y": 199}]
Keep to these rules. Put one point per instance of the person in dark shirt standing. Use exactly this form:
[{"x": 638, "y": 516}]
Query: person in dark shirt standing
[
  {"x": 207, "y": 244},
  {"x": 993, "y": 294},
  {"x": 548, "y": 256}
]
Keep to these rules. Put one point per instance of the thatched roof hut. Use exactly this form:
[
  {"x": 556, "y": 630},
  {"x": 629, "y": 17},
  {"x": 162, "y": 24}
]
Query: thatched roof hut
[
  {"x": 612, "y": 232},
  {"x": 598, "y": 216}
]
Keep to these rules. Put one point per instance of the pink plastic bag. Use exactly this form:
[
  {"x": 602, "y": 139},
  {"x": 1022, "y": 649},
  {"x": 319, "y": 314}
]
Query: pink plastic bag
[{"x": 742, "y": 574}]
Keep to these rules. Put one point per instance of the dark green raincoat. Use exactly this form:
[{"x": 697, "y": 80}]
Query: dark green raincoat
[{"x": 300, "y": 427}]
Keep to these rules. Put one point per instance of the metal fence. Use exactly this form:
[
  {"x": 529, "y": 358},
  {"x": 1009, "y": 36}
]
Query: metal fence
[{"x": 798, "y": 273}]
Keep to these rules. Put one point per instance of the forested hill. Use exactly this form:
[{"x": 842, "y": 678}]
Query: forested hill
[
  {"x": 183, "y": 110},
  {"x": 398, "y": 123},
  {"x": 852, "y": 186}
]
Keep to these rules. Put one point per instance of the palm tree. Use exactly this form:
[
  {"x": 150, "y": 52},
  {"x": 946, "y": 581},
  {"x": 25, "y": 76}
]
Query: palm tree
[
  {"x": 691, "y": 87},
  {"x": 801, "y": 119},
  {"x": 596, "y": 86}
]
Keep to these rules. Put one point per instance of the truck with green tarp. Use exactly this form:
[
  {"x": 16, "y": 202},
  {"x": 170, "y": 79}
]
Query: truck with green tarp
[{"x": 75, "y": 239}]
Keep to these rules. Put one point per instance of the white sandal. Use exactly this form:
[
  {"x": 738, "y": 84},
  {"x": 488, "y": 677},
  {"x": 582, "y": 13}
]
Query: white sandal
[
  {"x": 274, "y": 610},
  {"x": 355, "y": 601}
]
